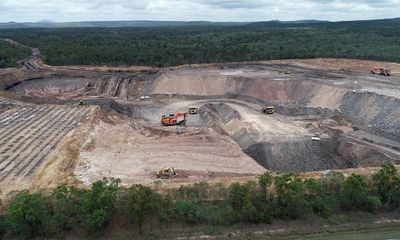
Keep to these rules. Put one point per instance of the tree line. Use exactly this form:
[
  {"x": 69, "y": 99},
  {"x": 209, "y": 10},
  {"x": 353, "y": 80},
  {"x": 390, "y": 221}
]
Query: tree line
[
  {"x": 170, "y": 46},
  {"x": 287, "y": 196}
]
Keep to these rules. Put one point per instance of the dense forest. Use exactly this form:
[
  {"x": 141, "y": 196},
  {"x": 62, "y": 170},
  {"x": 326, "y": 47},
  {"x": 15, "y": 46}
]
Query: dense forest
[
  {"x": 169, "y": 46},
  {"x": 10, "y": 54},
  {"x": 66, "y": 210}
]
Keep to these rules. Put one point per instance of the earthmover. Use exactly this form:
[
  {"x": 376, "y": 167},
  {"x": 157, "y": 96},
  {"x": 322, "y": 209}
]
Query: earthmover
[
  {"x": 165, "y": 173},
  {"x": 268, "y": 109},
  {"x": 173, "y": 119},
  {"x": 193, "y": 110},
  {"x": 381, "y": 71}
]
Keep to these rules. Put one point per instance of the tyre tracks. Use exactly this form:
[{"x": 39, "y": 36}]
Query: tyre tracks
[{"x": 29, "y": 134}]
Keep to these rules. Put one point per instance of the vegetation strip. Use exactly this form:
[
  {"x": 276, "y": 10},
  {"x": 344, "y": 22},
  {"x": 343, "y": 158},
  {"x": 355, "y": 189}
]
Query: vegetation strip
[{"x": 287, "y": 196}]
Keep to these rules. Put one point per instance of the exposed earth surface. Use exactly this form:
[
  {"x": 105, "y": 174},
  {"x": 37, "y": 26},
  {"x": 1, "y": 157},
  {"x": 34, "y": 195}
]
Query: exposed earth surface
[{"x": 79, "y": 124}]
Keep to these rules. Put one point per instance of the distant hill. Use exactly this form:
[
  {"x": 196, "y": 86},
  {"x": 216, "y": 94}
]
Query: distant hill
[
  {"x": 318, "y": 22},
  {"x": 141, "y": 24},
  {"x": 115, "y": 24}
]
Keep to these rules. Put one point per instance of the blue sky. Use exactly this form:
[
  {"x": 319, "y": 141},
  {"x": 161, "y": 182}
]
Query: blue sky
[{"x": 188, "y": 10}]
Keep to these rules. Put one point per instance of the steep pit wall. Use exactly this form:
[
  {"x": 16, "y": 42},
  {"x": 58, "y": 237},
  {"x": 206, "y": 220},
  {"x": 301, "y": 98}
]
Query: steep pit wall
[
  {"x": 301, "y": 155},
  {"x": 376, "y": 113},
  {"x": 360, "y": 155},
  {"x": 282, "y": 153},
  {"x": 206, "y": 84}
]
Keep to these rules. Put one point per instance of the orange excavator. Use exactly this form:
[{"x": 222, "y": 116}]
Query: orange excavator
[{"x": 178, "y": 118}]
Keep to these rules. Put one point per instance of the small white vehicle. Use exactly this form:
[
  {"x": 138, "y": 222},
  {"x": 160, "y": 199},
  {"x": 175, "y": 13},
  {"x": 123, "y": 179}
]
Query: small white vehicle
[
  {"x": 144, "y": 97},
  {"x": 316, "y": 138}
]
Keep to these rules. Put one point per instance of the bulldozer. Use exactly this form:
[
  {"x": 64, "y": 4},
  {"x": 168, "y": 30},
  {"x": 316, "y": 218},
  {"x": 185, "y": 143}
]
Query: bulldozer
[
  {"x": 268, "y": 109},
  {"x": 166, "y": 173},
  {"x": 173, "y": 119},
  {"x": 381, "y": 71}
]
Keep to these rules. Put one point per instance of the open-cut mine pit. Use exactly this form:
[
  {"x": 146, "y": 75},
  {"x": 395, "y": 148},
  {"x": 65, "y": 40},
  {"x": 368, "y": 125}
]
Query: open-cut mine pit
[{"x": 105, "y": 124}]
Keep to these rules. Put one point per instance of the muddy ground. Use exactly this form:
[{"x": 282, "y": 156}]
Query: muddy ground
[{"x": 48, "y": 137}]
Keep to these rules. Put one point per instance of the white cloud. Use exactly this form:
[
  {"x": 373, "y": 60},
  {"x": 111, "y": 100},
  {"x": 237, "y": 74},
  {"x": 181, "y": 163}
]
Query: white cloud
[{"x": 212, "y": 10}]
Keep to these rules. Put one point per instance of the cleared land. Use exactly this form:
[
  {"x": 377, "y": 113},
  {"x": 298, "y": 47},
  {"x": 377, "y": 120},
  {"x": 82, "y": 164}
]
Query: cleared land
[
  {"x": 28, "y": 134},
  {"x": 355, "y": 114}
]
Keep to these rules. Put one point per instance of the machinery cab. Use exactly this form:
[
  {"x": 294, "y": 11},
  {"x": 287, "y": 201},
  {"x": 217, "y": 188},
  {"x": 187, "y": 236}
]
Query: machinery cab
[
  {"x": 193, "y": 110},
  {"x": 268, "y": 109}
]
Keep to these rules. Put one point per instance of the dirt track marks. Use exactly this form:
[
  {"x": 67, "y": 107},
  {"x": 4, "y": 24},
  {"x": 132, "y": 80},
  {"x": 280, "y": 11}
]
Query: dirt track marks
[
  {"x": 6, "y": 101},
  {"x": 33, "y": 61},
  {"x": 28, "y": 134},
  {"x": 114, "y": 87}
]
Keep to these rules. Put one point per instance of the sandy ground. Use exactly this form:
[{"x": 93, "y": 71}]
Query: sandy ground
[{"x": 134, "y": 156}]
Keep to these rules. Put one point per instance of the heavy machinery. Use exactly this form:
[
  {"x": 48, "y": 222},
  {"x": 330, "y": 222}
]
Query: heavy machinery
[
  {"x": 89, "y": 85},
  {"x": 316, "y": 137},
  {"x": 286, "y": 71},
  {"x": 268, "y": 109},
  {"x": 173, "y": 119},
  {"x": 144, "y": 98},
  {"x": 193, "y": 110},
  {"x": 381, "y": 71},
  {"x": 166, "y": 173}
]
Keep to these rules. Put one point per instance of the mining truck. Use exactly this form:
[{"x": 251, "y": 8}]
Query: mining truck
[
  {"x": 381, "y": 71},
  {"x": 268, "y": 109},
  {"x": 193, "y": 110}
]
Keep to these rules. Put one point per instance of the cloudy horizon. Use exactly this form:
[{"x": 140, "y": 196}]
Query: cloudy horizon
[{"x": 196, "y": 10}]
